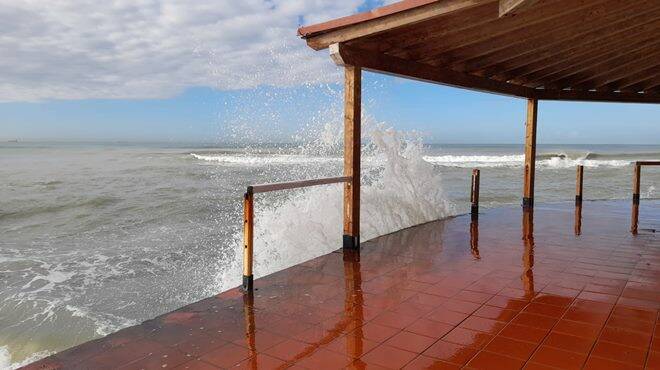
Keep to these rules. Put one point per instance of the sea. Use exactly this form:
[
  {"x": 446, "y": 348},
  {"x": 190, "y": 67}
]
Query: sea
[{"x": 95, "y": 237}]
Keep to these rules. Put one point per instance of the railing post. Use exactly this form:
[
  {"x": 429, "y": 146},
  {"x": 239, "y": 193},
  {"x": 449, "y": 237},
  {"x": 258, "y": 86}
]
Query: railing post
[
  {"x": 578, "y": 185},
  {"x": 248, "y": 239},
  {"x": 637, "y": 174},
  {"x": 474, "y": 195}
]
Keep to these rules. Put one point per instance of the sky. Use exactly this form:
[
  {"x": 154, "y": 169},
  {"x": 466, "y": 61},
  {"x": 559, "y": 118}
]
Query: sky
[{"x": 223, "y": 71}]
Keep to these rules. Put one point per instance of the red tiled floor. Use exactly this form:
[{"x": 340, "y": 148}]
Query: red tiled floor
[
  {"x": 511, "y": 347},
  {"x": 389, "y": 357},
  {"x": 613, "y": 351},
  {"x": 493, "y": 361},
  {"x": 568, "y": 342},
  {"x": 430, "y": 328},
  {"x": 524, "y": 333},
  {"x": 558, "y": 358},
  {"x": 451, "y": 352},
  {"x": 410, "y": 341},
  {"x": 558, "y": 301},
  {"x": 324, "y": 359},
  {"x": 467, "y": 337},
  {"x": 260, "y": 361},
  {"x": 428, "y": 363},
  {"x": 227, "y": 355}
]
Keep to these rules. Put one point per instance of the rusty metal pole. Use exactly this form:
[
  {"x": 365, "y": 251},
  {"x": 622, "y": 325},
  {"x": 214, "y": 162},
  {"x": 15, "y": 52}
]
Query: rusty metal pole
[
  {"x": 248, "y": 239},
  {"x": 637, "y": 174},
  {"x": 578, "y": 185},
  {"x": 474, "y": 195}
]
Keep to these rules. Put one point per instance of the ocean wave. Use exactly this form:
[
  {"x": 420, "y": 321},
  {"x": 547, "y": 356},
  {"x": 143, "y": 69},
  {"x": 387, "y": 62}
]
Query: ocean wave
[
  {"x": 265, "y": 160},
  {"x": 553, "y": 160},
  {"x": 548, "y": 160}
]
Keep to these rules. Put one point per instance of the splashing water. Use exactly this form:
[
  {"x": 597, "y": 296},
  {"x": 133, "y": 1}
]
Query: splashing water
[
  {"x": 7, "y": 364},
  {"x": 399, "y": 189}
]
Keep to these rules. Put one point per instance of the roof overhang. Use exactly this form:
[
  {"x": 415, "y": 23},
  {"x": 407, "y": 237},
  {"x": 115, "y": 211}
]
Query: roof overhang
[{"x": 583, "y": 50}]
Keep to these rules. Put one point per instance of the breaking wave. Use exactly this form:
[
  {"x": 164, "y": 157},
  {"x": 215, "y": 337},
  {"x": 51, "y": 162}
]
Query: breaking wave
[
  {"x": 400, "y": 189},
  {"x": 554, "y": 160},
  {"x": 548, "y": 160}
]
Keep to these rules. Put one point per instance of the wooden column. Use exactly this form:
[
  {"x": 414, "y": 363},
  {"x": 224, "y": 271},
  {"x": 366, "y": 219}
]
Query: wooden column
[
  {"x": 634, "y": 218},
  {"x": 474, "y": 194},
  {"x": 579, "y": 175},
  {"x": 352, "y": 117},
  {"x": 248, "y": 239},
  {"x": 530, "y": 153}
]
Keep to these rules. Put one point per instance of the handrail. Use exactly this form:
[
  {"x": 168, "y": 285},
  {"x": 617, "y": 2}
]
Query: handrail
[
  {"x": 248, "y": 216},
  {"x": 264, "y": 188},
  {"x": 637, "y": 177}
]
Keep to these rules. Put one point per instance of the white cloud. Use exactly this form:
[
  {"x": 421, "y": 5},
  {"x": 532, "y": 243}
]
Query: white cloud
[{"x": 80, "y": 49}]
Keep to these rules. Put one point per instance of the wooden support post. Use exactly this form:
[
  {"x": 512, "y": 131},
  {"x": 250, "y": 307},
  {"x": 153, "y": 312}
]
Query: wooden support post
[
  {"x": 352, "y": 147},
  {"x": 530, "y": 153},
  {"x": 248, "y": 239},
  {"x": 578, "y": 185},
  {"x": 637, "y": 177},
  {"x": 578, "y": 219},
  {"x": 474, "y": 194}
]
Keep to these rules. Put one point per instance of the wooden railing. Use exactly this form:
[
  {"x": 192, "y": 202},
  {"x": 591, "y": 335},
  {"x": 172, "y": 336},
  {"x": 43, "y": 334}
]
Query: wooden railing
[
  {"x": 637, "y": 177},
  {"x": 248, "y": 217}
]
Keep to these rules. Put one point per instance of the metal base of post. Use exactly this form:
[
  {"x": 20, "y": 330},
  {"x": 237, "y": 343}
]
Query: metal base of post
[
  {"x": 528, "y": 203},
  {"x": 351, "y": 242},
  {"x": 248, "y": 283}
]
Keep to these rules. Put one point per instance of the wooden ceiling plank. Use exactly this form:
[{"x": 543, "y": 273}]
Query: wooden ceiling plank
[
  {"x": 377, "y": 25},
  {"x": 545, "y": 62},
  {"x": 633, "y": 72},
  {"x": 575, "y": 66},
  {"x": 490, "y": 34},
  {"x": 555, "y": 27},
  {"x": 558, "y": 39},
  {"x": 513, "y": 7},
  {"x": 347, "y": 55},
  {"x": 638, "y": 82},
  {"x": 622, "y": 67}
]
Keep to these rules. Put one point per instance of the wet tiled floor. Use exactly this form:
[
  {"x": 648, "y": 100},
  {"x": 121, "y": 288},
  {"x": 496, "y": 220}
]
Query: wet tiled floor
[{"x": 510, "y": 291}]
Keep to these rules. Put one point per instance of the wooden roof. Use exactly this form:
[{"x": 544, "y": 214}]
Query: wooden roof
[{"x": 591, "y": 50}]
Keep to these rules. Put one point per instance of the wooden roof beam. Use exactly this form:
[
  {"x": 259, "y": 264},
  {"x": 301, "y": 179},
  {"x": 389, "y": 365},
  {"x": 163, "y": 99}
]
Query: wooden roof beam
[
  {"x": 343, "y": 54},
  {"x": 512, "y": 7},
  {"x": 598, "y": 96},
  {"x": 329, "y": 35}
]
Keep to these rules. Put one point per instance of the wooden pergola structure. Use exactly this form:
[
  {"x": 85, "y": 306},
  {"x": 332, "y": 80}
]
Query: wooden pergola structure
[{"x": 577, "y": 50}]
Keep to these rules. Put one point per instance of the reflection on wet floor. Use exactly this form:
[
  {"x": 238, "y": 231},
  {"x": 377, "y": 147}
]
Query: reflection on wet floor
[{"x": 540, "y": 296}]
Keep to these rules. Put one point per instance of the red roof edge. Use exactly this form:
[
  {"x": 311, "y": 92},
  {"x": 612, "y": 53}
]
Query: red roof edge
[{"x": 383, "y": 11}]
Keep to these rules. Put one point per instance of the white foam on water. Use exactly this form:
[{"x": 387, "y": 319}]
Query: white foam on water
[
  {"x": 558, "y": 161},
  {"x": 400, "y": 189},
  {"x": 6, "y": 360},
  {"x": 265, "y": 160},
  {"x": 476, "y": 160}
]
